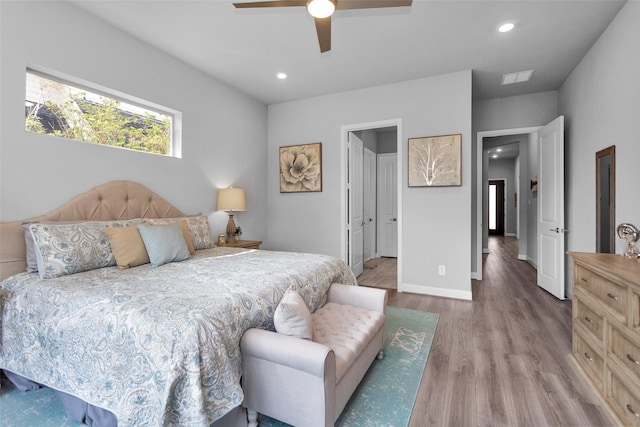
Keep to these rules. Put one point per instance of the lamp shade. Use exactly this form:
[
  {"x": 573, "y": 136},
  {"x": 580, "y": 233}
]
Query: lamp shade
[{"x": 231, "y": 199}]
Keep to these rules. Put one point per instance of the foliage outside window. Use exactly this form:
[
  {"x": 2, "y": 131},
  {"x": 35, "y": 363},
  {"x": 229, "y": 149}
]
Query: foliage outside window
[{"x": 56, "y": 108}]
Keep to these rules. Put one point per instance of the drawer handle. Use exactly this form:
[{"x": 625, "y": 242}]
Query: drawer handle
[
  {"x": 630, "y": 409},
  {"x": 587, "y": 319},
  {"x": 633, "y": 360},
  {"x": 588, "y": 357},
  {"x": 612, "y": 297}
]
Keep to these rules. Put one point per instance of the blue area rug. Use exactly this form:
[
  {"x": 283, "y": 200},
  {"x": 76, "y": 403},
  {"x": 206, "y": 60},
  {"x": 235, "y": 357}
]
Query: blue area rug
[{"x": 385, "y": 396}]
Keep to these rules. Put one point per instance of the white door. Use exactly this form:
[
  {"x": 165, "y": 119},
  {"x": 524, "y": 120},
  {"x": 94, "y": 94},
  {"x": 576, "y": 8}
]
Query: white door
[
  {"x": 551, "y": 208},
  {"x": 356, "y": 205},
  {"x": 369, "y": 204},
  {"x": 387, "y": 205}
]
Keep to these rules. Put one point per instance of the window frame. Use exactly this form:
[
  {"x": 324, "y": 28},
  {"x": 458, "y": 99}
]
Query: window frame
[{"x": 175, "y": 145}]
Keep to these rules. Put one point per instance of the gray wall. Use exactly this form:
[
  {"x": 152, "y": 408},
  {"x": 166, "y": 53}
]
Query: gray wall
[
  {"x": 601, "y": 104},
  {"x": 514, "y": 112},
  {"x": 223, "y": 131},
  {"x": 387, "y": 142},
  {"x": 436, "y": 221},
  {"x": 531, "y": 251},
  {"x": 505, "y": 170}
]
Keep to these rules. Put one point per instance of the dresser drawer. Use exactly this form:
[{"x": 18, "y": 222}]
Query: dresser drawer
[
  {"x": 627, "y": 352},
  {"x": 613, "y": 295},
  {"x": 589, "y": 319},
  {"x": 635, "y": 304},
  {"x": 625, "y": 403},
  {"x": 589, "y": 358}
]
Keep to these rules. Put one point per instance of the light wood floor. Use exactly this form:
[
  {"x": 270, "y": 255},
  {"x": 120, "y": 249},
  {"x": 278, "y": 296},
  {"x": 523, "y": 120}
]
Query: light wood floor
[
  {"x": 503, "y": 359},
  {"x": 380, "y": 273}
]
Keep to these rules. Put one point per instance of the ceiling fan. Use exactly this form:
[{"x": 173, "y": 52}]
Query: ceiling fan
[{"x": 321, "y": 10}]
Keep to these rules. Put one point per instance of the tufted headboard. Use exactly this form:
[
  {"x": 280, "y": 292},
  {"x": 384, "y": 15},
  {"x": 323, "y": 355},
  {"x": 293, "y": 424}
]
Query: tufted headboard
[{"x": 110, "y": 201}]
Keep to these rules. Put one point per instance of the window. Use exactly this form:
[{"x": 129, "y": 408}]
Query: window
[{"x": 53, "y": 106}]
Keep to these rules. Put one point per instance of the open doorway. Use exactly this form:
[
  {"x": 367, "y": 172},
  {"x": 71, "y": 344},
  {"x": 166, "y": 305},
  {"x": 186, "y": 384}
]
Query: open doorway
[
  {"x": 372, "y": 219},
  {"x": 541, "y": 180}
]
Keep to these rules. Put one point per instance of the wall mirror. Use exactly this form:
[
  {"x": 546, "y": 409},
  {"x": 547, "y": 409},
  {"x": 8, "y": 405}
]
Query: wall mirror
[{"x": 606, "y": 200}]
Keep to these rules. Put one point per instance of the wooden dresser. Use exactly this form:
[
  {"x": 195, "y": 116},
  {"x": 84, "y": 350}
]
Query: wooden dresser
[{"x": 606, "y": 329}]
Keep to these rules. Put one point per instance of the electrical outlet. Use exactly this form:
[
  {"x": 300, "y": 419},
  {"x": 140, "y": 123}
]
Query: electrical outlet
[{"x": 442, "y": 270}]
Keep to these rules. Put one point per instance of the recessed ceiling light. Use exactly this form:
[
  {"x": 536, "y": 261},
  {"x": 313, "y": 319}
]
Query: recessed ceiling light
[
  {"x": 506, "y": 27},
  {"x": 519, "y": 77},
  {"x": 495, "y": 156},
  {"x": 281, "y": 76},
  {"x": 499, "y": 150}
]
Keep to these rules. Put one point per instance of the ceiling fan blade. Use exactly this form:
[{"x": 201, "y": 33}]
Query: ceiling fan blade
[
  {"x": 370, "y": 4},
  {"x": 272, "y": 3},
  {"x": 323, "y": 28}
]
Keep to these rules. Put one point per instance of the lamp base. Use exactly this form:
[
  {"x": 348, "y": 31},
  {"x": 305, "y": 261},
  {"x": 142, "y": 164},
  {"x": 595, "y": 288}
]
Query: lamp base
[{"x": 231, "y": 229}]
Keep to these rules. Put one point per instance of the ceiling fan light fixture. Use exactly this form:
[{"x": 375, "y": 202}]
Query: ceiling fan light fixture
[{"x": 321, "y": 8}]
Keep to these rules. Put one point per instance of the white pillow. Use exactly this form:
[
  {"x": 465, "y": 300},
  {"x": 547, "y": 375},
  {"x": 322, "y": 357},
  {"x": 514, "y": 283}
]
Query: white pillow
[{"x": 292, "y": 316}]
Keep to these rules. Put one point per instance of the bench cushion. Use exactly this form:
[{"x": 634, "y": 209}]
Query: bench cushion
[{"x": 346, "y": 330}]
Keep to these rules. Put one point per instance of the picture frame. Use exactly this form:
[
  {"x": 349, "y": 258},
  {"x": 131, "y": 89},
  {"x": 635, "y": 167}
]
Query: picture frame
[
  {"x": 435, "y": 161},
  {"x": 301, "y": 168}
]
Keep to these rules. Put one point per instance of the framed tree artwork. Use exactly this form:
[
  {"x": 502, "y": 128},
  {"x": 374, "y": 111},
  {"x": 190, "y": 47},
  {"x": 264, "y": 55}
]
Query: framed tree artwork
[
  {"x": 301, "y": 168},
  {"x": 434, "y": 161}
]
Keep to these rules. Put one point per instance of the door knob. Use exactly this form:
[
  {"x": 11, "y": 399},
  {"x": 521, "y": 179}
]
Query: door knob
[{"x": 394, "y": 219}]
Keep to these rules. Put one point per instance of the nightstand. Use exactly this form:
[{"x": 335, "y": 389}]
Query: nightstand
[{"x": 247, "y": 244}]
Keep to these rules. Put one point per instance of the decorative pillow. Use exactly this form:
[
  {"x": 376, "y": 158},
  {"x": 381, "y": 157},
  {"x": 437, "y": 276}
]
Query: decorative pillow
[
  {"x": 127, "y": 246},
  {"x": 63, "y": 249},
  {"x": 164, "y": 243},
  {"x": 32, "y": 260},
  {"x": 184, "y": 224},
  {"x": 33, "y": 256},
  {"x": 199, "y": 229},
  {"x": 292, "y": 316}
]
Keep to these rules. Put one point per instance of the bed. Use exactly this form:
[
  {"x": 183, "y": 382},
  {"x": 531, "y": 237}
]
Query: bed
[{"x": 152, "y": 345}]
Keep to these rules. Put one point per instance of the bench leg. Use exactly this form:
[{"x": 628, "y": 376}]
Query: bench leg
[
  {"x": 380, "y": 355},
  {"x": 252, "y": 417}
]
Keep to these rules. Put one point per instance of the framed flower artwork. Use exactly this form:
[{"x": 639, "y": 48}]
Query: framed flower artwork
[{"x": 301, "y": 168}]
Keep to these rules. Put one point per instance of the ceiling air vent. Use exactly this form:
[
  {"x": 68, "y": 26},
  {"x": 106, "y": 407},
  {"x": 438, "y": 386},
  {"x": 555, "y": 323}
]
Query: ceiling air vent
[{"x": 519, "y": 77}]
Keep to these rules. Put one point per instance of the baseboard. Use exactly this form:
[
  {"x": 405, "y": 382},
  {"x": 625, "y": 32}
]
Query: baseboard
[
  {"x": 475, "y": 275},
  {"x": 522, "y": 257},
  {"x": 532, "y": 262},
  {"x": 436, "y": 292},
  {"x": 485, "y": 250},
  {"x": 510, "y": 235}
]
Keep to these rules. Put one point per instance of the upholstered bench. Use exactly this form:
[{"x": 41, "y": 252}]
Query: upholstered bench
[{"x": 307, "y": 382}]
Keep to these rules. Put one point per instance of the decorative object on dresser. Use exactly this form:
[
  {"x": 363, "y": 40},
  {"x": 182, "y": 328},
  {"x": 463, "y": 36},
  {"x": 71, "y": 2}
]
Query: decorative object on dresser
[
  {"x": 231, "y": 200},
  {"x": 606, "y": 329},
  {"x": 247, "y": 244},
  {"x": 631, "y": 234}
]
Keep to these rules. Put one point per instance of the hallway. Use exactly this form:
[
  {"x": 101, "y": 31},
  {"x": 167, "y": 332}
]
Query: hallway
[{"x": 505, "y": 358}]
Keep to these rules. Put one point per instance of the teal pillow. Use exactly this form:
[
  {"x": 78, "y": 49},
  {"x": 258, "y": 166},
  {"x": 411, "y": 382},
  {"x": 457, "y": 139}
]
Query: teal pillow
[{"x": 164, "y": 243}]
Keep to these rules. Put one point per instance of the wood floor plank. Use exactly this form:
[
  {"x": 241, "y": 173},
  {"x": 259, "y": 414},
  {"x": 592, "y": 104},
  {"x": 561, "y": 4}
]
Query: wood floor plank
[{"x": 503, "y": 359}]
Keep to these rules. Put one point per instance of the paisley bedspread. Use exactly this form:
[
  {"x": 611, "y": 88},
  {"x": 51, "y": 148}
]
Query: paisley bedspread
[{"x": 156, "y": 346}]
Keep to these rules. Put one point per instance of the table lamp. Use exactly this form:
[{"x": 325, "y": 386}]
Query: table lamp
[{"x": 231, "y": 200}]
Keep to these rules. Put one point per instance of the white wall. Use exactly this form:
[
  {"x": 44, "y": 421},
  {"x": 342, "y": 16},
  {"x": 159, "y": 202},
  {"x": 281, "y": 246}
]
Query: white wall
[
  {"x": 513, "y": 112},
  {"x": 436, "y": 221},
  {"x": 224, "y": 131},
  {"x": 601, "y": 104}
]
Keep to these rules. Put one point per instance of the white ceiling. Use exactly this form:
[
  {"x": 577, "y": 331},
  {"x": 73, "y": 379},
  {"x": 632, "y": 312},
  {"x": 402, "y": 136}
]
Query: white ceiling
[{"x": 246, "y": 48}]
